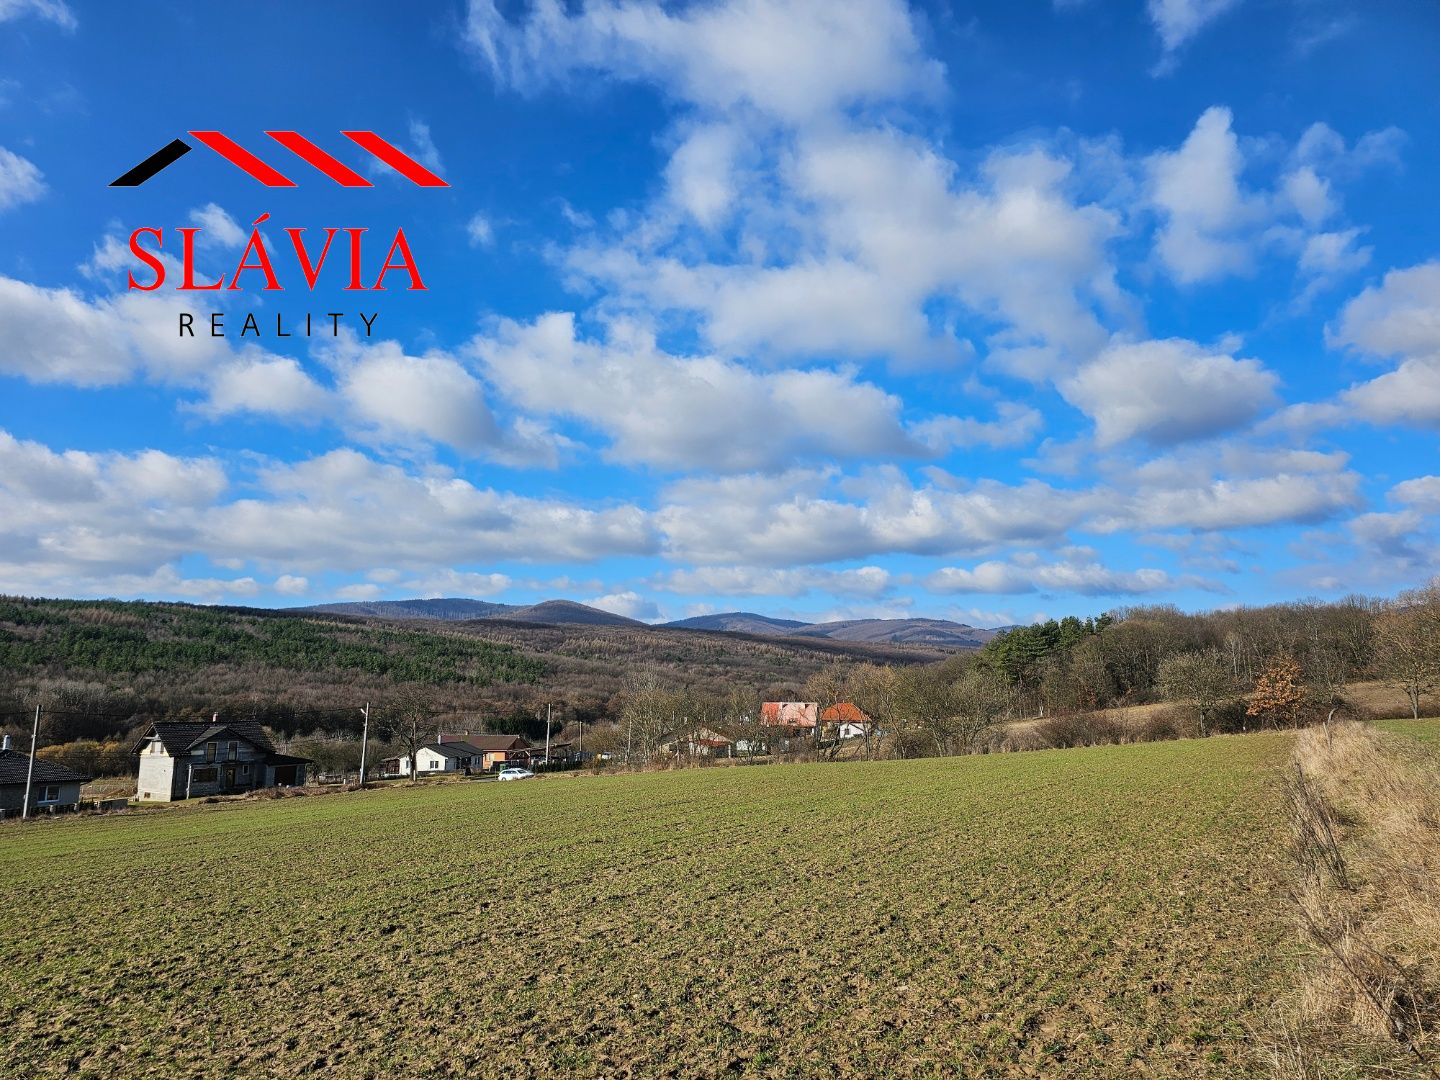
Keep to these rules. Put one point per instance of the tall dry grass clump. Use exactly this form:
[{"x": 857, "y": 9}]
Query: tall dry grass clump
[{"x": 1364, "y": 814}]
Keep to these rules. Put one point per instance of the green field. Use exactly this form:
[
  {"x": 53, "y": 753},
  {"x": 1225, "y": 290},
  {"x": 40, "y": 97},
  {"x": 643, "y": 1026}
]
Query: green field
[
  {"x": 1425, "y": 729},
  {"x": 1096, "y": 912}
]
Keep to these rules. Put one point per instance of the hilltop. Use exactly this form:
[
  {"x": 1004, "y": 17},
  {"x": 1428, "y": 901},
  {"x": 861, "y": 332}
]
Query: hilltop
[{"x": 933, "y": 633}]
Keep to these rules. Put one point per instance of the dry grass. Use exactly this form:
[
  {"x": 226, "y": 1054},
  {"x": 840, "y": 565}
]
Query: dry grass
[{"x": 1365, "y": 819}]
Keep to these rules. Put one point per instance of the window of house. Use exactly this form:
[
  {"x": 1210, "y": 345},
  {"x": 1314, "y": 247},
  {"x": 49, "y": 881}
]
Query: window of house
[
  {"x": 232, "y": 751},
  {"x": 210, "y": 751},
  {"x": 49, "y": 793},
  {"x": 205, "y": 776}
]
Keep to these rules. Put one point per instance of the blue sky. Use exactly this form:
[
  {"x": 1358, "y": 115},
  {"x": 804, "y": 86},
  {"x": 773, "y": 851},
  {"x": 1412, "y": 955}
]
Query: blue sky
[{"x": 980, "y": 311}]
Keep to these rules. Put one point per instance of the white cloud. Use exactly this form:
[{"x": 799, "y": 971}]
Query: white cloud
[
  {"x": 1080, "y": 574},
  {"x": 629, "y": 604},
  {"x": 219, "y": 229},
  {"x": 480, "y": 231},
  {"x": 291, "y": 585},
  {"x": 359, "y": 591},
  {"x": 791, "y": 59},
  {"x": 1197, "y": 188},
  {"x": 56, "y": 11},
  {"x": 431, "y": 397},
  {"x": 699, "y": 175},
  {"x": 86, "y": 523},
  {"x": 452, "y": 583},
  {"x": 275, "y": 386},
  {"x": 1177, "y": 21},
  {"x": 750, "y": 581},
  {"x": 1422, "y": 493},
  {"x": 698, "y": 412},
  {"x": 20, "y": 181},
  {"x": 846, "y": 238},
  {"x": 1399, "y": 317},
  {"x": 1168, "y": 391}
]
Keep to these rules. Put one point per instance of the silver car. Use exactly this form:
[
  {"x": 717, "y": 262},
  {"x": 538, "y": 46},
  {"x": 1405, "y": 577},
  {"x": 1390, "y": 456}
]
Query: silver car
[{"x": 515, "y": 774}]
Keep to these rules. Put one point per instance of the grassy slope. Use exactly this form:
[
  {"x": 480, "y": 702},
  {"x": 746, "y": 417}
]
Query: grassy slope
[{"x": 1084, "y": 912}]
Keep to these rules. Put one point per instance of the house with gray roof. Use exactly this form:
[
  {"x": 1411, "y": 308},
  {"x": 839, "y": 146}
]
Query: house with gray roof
[
  {"x": 187, "y": 759},
  {"x": 52, "y": 787}
]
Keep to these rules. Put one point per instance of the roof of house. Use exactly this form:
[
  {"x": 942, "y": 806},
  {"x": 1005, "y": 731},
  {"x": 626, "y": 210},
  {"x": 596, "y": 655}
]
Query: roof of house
[
  {"x": 486, "y": 742},
  {"x": 452, "y": 749},
  {"x": 788, "y": 713},
  {"x": 844, "y": 713},
  {"x": 177, "y": 736},
  {"x": 14, "y": 764}
]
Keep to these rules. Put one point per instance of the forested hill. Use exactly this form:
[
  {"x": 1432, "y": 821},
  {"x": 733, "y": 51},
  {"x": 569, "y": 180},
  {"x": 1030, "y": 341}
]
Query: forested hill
[{"x": 102, "y": 668}]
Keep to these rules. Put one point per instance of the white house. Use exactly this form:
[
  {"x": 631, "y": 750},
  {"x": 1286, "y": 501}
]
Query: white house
[{"x": 184, "y": 760}]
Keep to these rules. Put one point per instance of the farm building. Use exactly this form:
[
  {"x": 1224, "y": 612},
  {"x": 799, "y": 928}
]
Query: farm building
[
  {"x": 52, "y": 787},
  {"x": 792, "y": 715},
  {"x": 697, "y": 742},
  {"x": 186, "y": 759}
]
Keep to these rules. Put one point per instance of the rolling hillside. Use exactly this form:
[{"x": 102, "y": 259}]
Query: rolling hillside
[{"x": 102, "y": 667}]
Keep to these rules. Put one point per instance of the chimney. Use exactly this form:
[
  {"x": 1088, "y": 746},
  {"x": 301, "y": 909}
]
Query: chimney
[
  {"x": 5, "y": 745},
  {"x": 214, "y": 718}
]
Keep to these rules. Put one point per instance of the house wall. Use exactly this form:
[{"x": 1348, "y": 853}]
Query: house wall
[
  {"x": 156, "y": 782},
  {"x": 12, "y": 797},
  {"x": 431, "y": 763}
]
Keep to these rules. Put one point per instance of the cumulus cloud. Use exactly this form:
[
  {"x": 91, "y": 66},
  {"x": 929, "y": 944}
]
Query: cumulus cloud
[
  {"x": 72, "y": 521},
  {"x": 704, "y": 412},
  {"x": 1398, "y": 318},
  {"x": 629, "y": 604},
  {"x": 1214, "y": 225},
  {"x": 1079, "y": 573},
  {"x": 791, "y": 59},
  {"x": 869, "y": 581},
  {"x": 20, "y": 181},
  {"x": 1169, "y": 391},
  {"x": 1207, "y": 211}
]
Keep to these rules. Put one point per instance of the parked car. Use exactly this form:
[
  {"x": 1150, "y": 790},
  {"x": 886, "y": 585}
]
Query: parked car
[{"x": 515, "y": 774}]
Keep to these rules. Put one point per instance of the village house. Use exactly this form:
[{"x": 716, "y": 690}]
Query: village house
[
  {"x": 52, "y": 787},
  {"x": 182, "y": 760},
  {"x": 461, "y": 753},
  {"x": 846, "y": 721},
  {"x": 496, "y": 751}
]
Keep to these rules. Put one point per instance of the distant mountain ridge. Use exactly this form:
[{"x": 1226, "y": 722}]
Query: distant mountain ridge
[
  {"x": 938, "y": 633},
  {"x": 459, "y": 609}
]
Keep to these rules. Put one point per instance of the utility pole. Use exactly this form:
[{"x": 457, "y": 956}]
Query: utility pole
[
  {"x": 364, "y": 742},
  {"x": 547, "y": 734},
  {"x": 30, "y": 770}
]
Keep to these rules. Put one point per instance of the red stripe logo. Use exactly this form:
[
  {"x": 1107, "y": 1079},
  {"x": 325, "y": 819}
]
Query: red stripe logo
[{"x": 298, "y": 145}]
